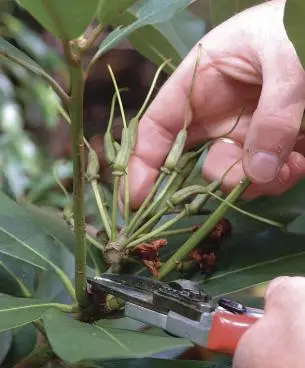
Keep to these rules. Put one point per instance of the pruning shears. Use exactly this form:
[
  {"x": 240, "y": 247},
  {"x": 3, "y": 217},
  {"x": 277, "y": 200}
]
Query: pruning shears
[{"x": 180, "y": 308}]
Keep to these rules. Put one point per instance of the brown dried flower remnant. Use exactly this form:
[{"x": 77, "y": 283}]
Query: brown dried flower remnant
[
  {"x": 148, "y": 253},
  {"x": 206, "y": 255}
]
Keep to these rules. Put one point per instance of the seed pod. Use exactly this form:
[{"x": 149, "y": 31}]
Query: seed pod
[
  {"x": 122, "y": 158},
  {"x": 117, "y": 146},
  {"x": 175, "y": 152},
  {"x": 184, "y": 159},
  {"x": 133, "y": 128},
  {"x": 184, "y": 193},
  {"x": 200, "y": 200},
  {"x": 177, "y": 183},
  {"x": 109, "y": 148},
  {"x": 93, "y": 166}
]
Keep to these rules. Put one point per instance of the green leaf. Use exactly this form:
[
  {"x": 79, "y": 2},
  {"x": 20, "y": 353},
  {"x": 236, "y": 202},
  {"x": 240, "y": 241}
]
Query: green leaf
[
  {"x": 52, "y": 223},
  {"x": 297, "y": 226},
  {"x": 5, "y": 344},
  {"x": 108, "y": 11},
  {"x": 294, "y": 24},
  {"x": 172, "y": 39},
  {"x": 12, "y": 273},
  {"x": 23, "y": 343},
  {"x": 123, "y": 323},
  {"x": 284, "y": 209},
  {"x": 157, "y": 363},
  {"x": 6, "y": 49},
  {"x": 95, "y": 342},
  {"x": 253, "y": 258},
  {"x": 65, "y": 19},
  {"x": 222, "y": 10},
  {"x": 149, "y": 12},
  {"x": 15, "y": 312},
  {"x": 32, "y": 43},
  {"x": 21, "y": 239}
]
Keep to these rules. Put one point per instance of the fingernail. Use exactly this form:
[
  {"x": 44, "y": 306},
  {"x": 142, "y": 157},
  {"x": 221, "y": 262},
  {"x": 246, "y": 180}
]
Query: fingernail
[{"x": 264, "y": 166}]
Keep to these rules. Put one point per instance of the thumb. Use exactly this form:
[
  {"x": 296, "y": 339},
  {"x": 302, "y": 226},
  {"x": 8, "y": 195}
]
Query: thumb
[
  {"x": 284, "y": 296},
  {"x": 276, "y": 122}
]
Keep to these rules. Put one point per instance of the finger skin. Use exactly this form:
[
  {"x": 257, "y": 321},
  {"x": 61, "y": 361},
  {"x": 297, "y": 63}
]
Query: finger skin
[
  {"x": 277, "y": 340},
  {"x": 260, "y": 71}
]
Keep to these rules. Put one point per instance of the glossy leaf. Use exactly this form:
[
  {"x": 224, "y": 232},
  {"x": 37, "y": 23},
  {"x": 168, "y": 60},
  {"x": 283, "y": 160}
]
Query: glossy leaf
[
  {"x": 172, "y": 39},
  {"x": 32, "y": 43},
  {"x": 52, "y": 223},
  {"x": 254, "y": 258},
  {"x": 158, "y": 363},
  {"x": 148, "y": 13},
  {"x": 23, "y": 343},
  {"x": 5, "y": 344},
  {"x": 294, "y": 24},
  {"x": 298, "y": 225},
  {"x": 21, "y": 239},
  {"x": 66, "y": 20},
  {"x": 15, "y": 312},
  {"x": 221, "y": 10},
  {"x": 95, "y": 342},
  {"x": 7, "y": 49},
  {"x": 12, "y": 273},
  {"x": 108, "y": 11},
  {"x": 123, "y": 323}
]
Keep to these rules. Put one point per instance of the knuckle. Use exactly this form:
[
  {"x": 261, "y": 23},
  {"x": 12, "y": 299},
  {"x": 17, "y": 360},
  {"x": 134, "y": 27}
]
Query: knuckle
[
  {"x": 155, "y": 126},
  {"x": 273, "y": 132},
  {"x": 282, "y": 122}
]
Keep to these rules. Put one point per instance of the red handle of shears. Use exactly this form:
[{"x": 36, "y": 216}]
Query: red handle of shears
[{"x": 226, "y": 331}]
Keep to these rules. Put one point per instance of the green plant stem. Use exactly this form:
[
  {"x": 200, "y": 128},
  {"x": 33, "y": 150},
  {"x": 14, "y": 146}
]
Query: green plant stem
[
  {"x": 115, "y": 200},
  {"x": 67, "y": 118},
  {"x": 157, "y": 231},
  {"x": 149, "y": 223},
  {"x": 137, "y": 217},
  {"x": 66, "y": 308},
  {"x": 249, "y": 214},
  {"x": 102, "y": 210},
  {"x": 56, "y": 87},
  {"x": 126, "y": 198},
  {"x": 172, "y": 177},
  {"x": 96, "y": 33},
  {"x": 98, "y": 270},
  {"x": 94, "y": 242},
  {"x": 204, "y": 229},
  {"x": 184, "y": 230},
  {"x": 39, "y": 357},
  {"x": 117, "y": 90},
  {"x": 59, "y": 183},
  {"x": 149, "y": 94},
  {"x": 66, "y": 281},
  {"x": 76, "y": 116}
]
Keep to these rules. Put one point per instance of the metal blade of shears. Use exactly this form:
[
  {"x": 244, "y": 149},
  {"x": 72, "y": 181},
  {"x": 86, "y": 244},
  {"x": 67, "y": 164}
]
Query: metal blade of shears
[{"x": 130, "y": 288}]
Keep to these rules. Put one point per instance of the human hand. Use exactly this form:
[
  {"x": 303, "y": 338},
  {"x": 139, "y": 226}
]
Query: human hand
[
  {"x": 277, "y": 340},
  {"x": 247, "y": 62}
]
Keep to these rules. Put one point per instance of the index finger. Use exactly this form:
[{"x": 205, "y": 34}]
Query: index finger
[{"x": 156, "y": 133}]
